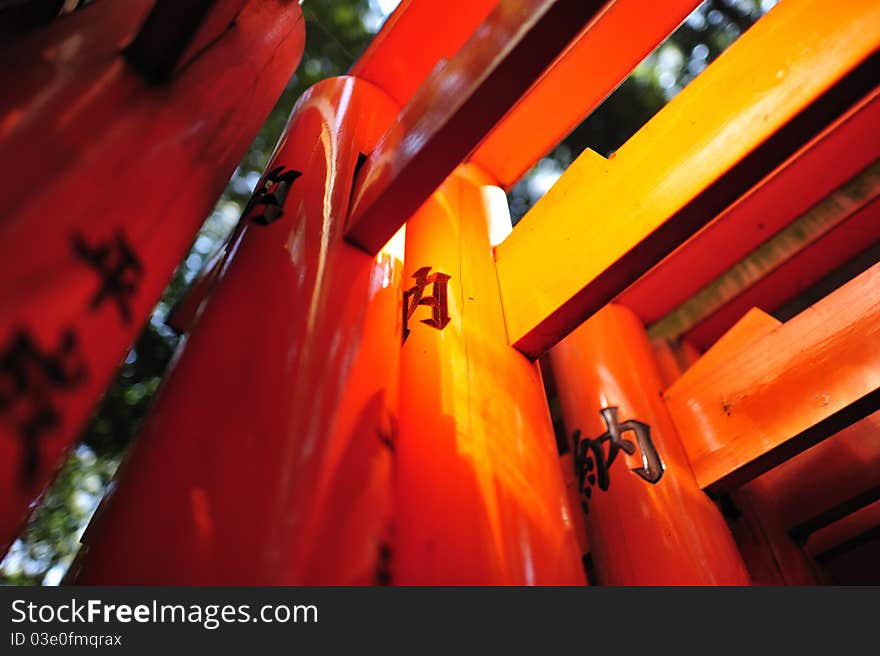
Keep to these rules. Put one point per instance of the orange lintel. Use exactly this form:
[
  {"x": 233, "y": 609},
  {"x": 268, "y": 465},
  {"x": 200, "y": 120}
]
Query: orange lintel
[
  {"x": 828, "y": 480},
  {"x": 417, "y": 36},
  {"x": 606, "y": 222},
  {"x": 825, "y": 163},
  {"x": 796, "y": 385},
  {"x": 808, "y": 490},
  {"x": 456, "y": 106},
  {"x": 844, "y": 533},
  {"x": 604, "y": 54}
]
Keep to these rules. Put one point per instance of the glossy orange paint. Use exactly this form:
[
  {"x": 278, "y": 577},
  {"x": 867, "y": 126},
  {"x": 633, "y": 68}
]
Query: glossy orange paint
[
  {"x": 456, "y": 106},
  {"x": 479, "y": 493},
  {"x": 770, "y": 554},
  {"x": 640, "y": 533},
  {"x": 566, "y": 462},
  {"x": 780, "y": 507},
  {"x": 822, "y": 364},
  {"x": 95, "y": 159},
  {"x": 806, "y": 493},
  {"x": 796, "y": 71},
  {"x": 183, "y": 315},
  {"x": 753, "y": 325},
  {"x": 621, "y": 35},
  {"x": 267, "y": 458},
  {"x": 416, "y": 37},
  {"x": 600, "y": 58},
  {"x": 572, "y": 493},
  {"x": 826, "y": 162}
]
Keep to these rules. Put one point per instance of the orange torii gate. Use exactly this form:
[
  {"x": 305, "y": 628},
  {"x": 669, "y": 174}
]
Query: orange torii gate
[{"x": 353, "y": 406}]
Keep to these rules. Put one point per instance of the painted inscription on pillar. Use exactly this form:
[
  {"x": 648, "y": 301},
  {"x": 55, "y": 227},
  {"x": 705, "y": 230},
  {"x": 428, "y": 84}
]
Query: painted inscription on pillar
[
  {"x": 268, "y": 199},
  {"x": 118, "y": 268},
  {"x": 437, "y": 299},
  {"x": 30, "y": 376},
  {"x": 593, "y": 460}
]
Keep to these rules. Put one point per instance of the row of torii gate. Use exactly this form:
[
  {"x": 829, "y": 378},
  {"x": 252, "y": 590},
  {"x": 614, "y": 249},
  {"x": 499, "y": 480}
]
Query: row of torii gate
[{"x": 360, "y": 402}]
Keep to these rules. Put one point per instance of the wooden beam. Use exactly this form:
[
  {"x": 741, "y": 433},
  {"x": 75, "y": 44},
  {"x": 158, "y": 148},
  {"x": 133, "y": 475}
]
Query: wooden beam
[
  {"x": 787, "y": 263},
  {"x": 410, "y": 45},
  {"x": 836, "y": 513},
  {"x": 827, "y": 162},
  {"x": 798, "y": 384},
  {"x": 853, "y": 266},
  {"x": 830, "y": 475},
  {"x": 602, "y": 56},
  {"x": 455, "y": 108},
  {"x": 606, "y": 222},
  {"x": 846, "y": 533},
  {"x": 621, "y": 35},
  {"x": 754, "y": 324},
  {"x": 792, "y": 277},
  {"x": 827, "y": 476}
]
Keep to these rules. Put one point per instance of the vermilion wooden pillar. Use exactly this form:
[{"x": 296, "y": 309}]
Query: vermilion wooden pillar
[
  {"x": 106, "y": 180},
  {"x": 267, "y": 457},
  {"x": 565, "y": 449},
  {"x": 479, "y": 493},
  {"x": 572, "y": 491},
  {"x": 647, "y": 520}
]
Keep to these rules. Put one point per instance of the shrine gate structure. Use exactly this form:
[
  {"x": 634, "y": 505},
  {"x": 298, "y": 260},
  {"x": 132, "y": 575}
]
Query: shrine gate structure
[{"x": 362, "y": 393}]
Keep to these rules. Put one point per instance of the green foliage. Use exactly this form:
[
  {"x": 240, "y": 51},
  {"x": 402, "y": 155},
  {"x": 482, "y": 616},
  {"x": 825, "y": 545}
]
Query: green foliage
[{"x": 51, "y": 538}]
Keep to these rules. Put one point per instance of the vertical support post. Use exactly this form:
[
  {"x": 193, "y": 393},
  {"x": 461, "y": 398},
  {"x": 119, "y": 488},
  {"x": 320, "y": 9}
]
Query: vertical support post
[
  {"x": 83, "y": 266},
  {"x": 572, "y": 493},
  {"x": 267, "y": 458},
  {"x": 647, "y": 520},
  {"x": 565, "y": 448},
  {"x": 479, "y": 494}
]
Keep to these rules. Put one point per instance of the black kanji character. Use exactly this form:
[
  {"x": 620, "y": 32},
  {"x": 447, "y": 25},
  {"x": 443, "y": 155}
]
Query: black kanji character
[
  {"x": 437, "y": 301},
  {"x": 28, "y": 377},
  {"x": 271, "y": 195},
  {"x": 592, "y": 464},
  {"x": 118, "y": 267}
]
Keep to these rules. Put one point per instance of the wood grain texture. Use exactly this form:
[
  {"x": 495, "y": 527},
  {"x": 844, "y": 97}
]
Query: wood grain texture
[{"x": 796, "y": 385}]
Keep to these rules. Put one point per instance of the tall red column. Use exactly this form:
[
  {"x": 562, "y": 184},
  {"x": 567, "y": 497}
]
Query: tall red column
[
  {"x": 107, "y": 177},
  {"x": 267, "y": 457},
  {"x": 479, "y": 492},
  {"x": 647, "y": 520}
]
